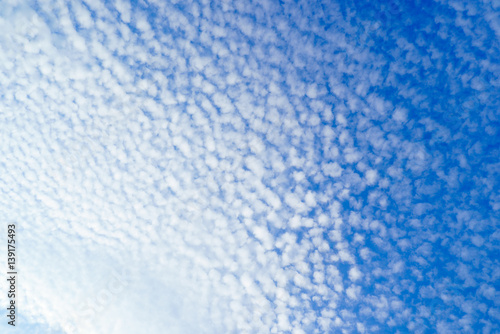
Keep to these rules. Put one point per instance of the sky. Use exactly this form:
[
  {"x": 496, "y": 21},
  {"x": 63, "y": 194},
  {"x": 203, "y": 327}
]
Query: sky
[{"x": 251, "y": 166}]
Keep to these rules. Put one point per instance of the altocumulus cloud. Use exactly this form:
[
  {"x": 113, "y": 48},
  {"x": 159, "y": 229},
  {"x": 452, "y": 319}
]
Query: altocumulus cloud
[{"x": 252, "y": 166}]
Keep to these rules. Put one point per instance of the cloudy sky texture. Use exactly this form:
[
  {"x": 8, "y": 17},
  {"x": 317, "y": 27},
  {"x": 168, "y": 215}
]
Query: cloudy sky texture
[{"x": 252, "y": 166}]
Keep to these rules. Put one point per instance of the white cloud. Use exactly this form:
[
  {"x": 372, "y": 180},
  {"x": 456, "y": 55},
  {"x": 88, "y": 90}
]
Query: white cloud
[
  {"x": 371, "y": 176},
  {"x": 353, "y": 292},
  {"x": 332, "y": 169},
  {"x": 249, "y": 164},
  {"x": 355, "y": 274}
]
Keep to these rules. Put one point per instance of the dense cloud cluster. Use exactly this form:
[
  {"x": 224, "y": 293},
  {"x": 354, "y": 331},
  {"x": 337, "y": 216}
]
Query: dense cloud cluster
[{"x": 253, "y": 166}]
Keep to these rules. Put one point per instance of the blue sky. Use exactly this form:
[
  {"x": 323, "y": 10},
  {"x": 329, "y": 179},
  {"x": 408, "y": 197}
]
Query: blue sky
[{"x": 252, "y": 166}]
